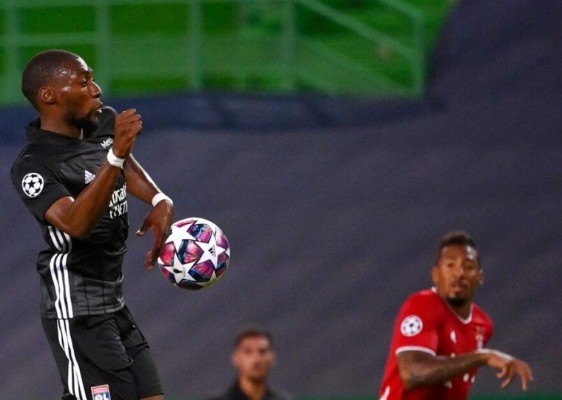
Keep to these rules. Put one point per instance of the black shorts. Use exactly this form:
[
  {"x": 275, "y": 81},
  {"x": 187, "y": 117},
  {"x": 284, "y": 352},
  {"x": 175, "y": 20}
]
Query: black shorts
[{"x": 102, "y": 356}]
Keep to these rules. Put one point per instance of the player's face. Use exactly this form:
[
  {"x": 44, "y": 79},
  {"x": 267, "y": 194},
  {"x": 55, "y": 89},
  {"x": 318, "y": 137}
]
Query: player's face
[
  {"x": 457, "y": 275},
  {"x": 78, "y": 93},
  {"x": 254, "y": 358}
]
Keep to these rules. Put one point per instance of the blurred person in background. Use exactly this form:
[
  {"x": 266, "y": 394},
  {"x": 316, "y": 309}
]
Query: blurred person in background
[
  {"x": 74, "y": 175},
  {"x": 440, "y": 333},
  {"x": 253, "y": 358}
]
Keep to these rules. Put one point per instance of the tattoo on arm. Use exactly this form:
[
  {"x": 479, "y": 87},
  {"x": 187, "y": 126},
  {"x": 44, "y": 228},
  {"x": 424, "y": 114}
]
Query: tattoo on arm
[{"x": 419, "y": 369}]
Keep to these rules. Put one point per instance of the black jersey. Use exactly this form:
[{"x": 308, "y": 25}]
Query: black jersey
[{"x": 78, "y": 277}]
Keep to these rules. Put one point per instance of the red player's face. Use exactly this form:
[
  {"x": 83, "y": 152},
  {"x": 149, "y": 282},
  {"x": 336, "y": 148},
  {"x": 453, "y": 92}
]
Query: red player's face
[
  {"x": 78, "y": 93},
  {"x": 254, "y": 358},
  {"x": 457, "y": 275}
]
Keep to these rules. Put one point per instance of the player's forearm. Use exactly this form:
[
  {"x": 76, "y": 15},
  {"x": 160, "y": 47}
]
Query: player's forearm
[
  {"x": 429, "y": 370},
  {"x": 79, "y": 217},
  {"x": 139, "y": 183}
]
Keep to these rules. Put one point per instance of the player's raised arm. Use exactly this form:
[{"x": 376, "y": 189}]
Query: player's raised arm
[{"x": 78, "y": 216}]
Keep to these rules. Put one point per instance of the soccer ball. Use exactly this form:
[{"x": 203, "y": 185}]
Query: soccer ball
[{"x": 195, "y": 254}]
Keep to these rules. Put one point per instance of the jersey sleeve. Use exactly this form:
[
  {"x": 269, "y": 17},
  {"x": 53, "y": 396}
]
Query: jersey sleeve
[
  {"x": 37, "y": 186},
  {"x": 416, "y": 327}
]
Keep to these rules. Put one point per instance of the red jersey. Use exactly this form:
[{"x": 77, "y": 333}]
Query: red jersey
[{"x": 426, "y": 323}]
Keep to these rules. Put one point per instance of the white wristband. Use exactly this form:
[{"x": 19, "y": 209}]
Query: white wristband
[
  {"x": 114, "y": 160},
  {"x": 158, "y": 197}
]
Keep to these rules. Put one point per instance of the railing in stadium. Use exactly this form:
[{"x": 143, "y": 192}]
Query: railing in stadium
[{"x": 158, "y": 46}]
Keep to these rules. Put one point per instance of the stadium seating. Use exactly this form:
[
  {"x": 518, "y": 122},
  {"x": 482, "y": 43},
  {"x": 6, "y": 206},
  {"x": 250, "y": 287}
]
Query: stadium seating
[{"x": 362, "y": 47}]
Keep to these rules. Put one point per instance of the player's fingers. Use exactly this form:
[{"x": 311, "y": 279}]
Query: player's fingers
[
  {"x": 149, "y": 263},
  {"x": 144, "y": 227},
  {"x": 507, "y": 382},
  {"x": 502, "y": 373},
  {"x": 526, "y": 377},
  {"x": 150, "y": 260},
  {"x": 128, "y": 111},
  {"x": 153, "y": 254},
  {"x": 129, "y": 119},
  {"x": 127, "y": 116}
]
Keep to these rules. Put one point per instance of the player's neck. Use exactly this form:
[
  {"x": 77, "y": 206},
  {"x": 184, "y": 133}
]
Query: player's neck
[
  {"x": 463, "y": 312},
  {"x": 255, "y": 390},
  {"x": 61, "y": 128}
]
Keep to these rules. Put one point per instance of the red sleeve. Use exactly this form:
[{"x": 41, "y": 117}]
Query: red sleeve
[{"x": 417, "y": 326}]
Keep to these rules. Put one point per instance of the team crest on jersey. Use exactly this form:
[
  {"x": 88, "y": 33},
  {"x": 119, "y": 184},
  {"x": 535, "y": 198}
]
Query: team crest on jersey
[
  {"x": 453, "y": 337},
  {"x": 32, "y": 184},
  {"x": 101, "y": 392},
  {"x": 411, "y": 325},
  {"x": 479, "y": 338}
]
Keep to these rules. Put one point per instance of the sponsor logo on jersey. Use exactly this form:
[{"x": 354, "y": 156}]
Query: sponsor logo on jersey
[
  {"x": 101, "y": 392},
  {"x": 32, "y": 184},
  {"x": 106, "y": 143},
  {"x": 88, "y": 177},
  {"x": 411, "y": 325},
  {"x": 118, "y": 204}
]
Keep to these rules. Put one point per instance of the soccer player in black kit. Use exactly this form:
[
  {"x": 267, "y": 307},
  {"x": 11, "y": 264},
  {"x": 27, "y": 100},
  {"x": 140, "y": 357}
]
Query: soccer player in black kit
[{"x": 74, "y": 175}]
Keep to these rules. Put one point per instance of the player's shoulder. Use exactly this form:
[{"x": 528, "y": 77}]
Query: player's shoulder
[
  {"x": 106, "y": 125},
  {"x": 28, "y": 159},
  {"x": 107, "y": 116},
  {"x": 425, "y": 304},
  {"x": 427, "y": 297},
  {"x": 108, "y": 110}
]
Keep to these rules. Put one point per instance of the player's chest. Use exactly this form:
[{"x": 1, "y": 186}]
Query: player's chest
[
  {"x": 456, "y": 338},
  {"x": 80, "y": 167}
]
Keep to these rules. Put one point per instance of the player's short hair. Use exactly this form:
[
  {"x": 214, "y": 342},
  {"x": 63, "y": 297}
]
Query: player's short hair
[
  {"x": 40, "y": 71},
  {"x": 459, "y": 238},
  {"x": 253, "y": 330}
]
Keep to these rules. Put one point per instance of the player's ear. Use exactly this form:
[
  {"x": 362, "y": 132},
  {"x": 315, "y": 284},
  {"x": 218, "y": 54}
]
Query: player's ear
[
  {"x": 434, "y": 275},
  {"x": 46, "y": 95}
]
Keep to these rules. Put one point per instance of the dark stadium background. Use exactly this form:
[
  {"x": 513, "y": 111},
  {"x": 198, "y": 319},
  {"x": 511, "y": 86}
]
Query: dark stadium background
[{"x": 333, "y": 207}]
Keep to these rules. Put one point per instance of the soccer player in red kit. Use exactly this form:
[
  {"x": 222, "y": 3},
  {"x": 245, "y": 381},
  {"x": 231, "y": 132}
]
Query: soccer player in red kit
[{"x": 440, "y": 334}]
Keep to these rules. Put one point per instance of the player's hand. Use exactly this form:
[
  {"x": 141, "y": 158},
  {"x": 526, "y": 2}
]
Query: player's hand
[
  {"x": 159, "y": 219},
  {"x": 510, "y": 367},
  {"x": 128, "y": 126}
]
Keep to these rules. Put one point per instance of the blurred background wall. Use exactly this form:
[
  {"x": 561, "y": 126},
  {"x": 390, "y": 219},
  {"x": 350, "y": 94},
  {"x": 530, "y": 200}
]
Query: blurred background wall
[{"x": 334, "y": 142}]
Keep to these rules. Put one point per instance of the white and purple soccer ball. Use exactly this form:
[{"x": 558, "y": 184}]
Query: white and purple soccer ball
[{"x": 195, "y": 254}]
